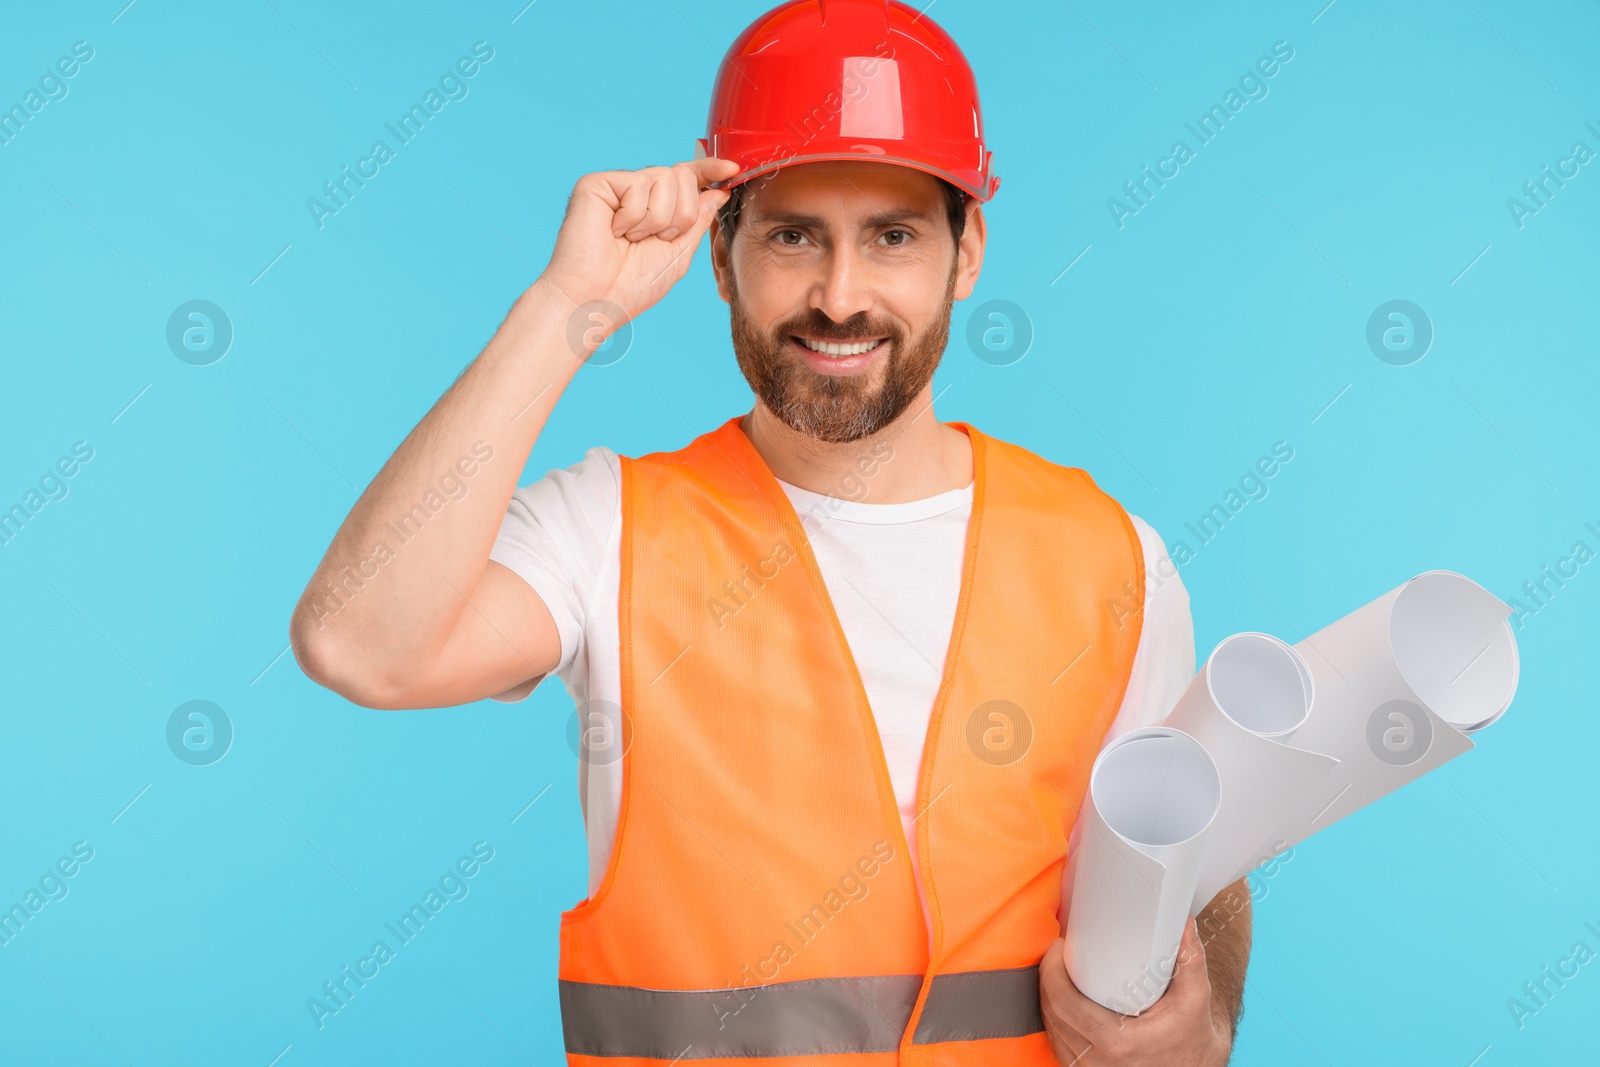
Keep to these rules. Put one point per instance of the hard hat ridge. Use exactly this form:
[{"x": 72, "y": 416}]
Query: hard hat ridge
[{"x": 873, "y": 80}]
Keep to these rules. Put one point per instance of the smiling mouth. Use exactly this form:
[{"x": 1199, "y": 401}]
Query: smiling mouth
[{"x": 838, "y": 349}]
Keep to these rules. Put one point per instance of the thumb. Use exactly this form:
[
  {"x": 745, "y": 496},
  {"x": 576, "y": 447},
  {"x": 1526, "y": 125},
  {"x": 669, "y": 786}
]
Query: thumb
[
  {"x": 711, "y": 200},
  {"x": 1191, "y": 980},
  {"x": 713, "y": 168}
]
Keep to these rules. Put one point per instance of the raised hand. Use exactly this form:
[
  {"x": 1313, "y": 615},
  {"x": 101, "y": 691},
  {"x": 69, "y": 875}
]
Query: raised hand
[{"x": 629, "y": 236}]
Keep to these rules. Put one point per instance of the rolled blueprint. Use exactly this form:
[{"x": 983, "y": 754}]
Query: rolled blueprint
[
  {"x": 1248, "y": 698},
  {"x": 1153, "y": 793},
  {"x": 1400, "y": 683}
]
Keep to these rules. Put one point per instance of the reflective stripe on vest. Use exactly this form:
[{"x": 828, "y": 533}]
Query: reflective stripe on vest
[
  {"x": 816, "y": 1017},
  {"x": 759, "y": 843}
]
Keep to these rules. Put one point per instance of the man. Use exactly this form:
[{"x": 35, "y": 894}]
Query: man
[{"x": 842, "y": 668}]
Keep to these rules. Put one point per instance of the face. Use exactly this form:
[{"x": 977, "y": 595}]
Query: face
[{"x": 856, "y": 259}]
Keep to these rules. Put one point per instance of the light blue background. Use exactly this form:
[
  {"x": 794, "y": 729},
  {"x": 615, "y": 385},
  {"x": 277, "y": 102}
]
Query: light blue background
[{"x": 1226, "y": 315}]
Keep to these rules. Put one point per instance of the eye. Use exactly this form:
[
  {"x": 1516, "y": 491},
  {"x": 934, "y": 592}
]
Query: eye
[
  {"x": 905, "y": 234},
  {"x": 782, "y": 233}
]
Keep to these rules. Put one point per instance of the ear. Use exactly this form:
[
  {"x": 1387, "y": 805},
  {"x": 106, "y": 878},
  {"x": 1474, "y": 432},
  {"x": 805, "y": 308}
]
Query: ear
[
  {"x": 969, "y": 253},
  {"x": 719, "y": 257}
]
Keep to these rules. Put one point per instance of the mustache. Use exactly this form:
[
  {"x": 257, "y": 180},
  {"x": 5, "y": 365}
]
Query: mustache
[{"x": 824, "y": 328}]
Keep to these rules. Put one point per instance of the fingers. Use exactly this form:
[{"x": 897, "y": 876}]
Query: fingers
[
  {"x": 711, "y": 169},
  {"x": 660, "y": 205},
  {"x": 632, "y": 204},
  {"x": 707, "y": 203},
  {"x": 1177, "y": 1028},
  {"x": 1057, "y": 995},
  {"x": 686, "y": 209},
  {"x": 1071, "y": 1011},
  {"x": 665, "y": 201}
]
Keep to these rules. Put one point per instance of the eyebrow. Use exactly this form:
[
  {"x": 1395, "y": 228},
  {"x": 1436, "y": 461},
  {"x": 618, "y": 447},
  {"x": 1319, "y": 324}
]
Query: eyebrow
[{"x": 886, "y": 218}]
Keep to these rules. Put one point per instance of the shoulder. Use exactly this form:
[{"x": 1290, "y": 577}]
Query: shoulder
[
  {"x": 1025, "y": 460},
  {"x": 1064, "y": 495},
  {"x": 1154, "y": 547},
  {"x": 584, "y": 494},
  {"x": 1162, "y": 584},
  {"x": 688, "y": 458}
]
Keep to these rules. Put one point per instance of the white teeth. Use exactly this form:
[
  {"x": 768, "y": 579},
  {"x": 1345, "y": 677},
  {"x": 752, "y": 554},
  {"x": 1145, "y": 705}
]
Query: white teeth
[{"x": 839, "y": 350}]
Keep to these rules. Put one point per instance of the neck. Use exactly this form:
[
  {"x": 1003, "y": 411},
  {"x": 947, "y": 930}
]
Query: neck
[{"x": 914, "y": 457}]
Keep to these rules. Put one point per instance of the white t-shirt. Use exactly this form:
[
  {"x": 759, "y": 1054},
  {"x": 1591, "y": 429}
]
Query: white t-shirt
[{"x": 893, "y": 572}]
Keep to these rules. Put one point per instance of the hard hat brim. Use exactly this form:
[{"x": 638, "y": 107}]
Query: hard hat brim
[{"x": 971, "y": 184}]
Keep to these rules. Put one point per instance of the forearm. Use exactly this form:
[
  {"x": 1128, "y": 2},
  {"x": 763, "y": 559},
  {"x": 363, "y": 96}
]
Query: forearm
[
  {"x": 389, "y": 597},
  {"x": 392, "y": 583},
  {"x": 1224, "y": 928}
]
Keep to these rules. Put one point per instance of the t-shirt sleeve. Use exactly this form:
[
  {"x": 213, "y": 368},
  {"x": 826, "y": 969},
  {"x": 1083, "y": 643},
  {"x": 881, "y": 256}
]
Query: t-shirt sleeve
[
  {"x": 554, "y": 535},
  {"x": 1164, "y": 663}
]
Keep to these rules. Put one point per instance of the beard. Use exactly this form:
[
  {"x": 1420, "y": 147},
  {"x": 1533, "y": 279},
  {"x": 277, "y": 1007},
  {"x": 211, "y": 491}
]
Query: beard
[{"x": 836, "y": 407}]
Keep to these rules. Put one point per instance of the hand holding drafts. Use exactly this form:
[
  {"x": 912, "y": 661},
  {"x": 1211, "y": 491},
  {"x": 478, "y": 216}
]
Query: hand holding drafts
[
  {"x": 1269, "y": 744},
  {"x": 628, "y": 236}
]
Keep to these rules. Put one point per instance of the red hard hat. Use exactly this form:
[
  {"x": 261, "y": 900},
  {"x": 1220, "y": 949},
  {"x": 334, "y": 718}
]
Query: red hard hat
[{"x": 848, "y": 79}]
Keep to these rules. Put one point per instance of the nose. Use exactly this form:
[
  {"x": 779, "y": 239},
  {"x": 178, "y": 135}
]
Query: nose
[{"x": 843, "y": 289}]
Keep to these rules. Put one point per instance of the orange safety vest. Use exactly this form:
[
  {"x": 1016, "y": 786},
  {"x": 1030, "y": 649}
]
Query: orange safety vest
[{"x": 759, "y": 906}]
